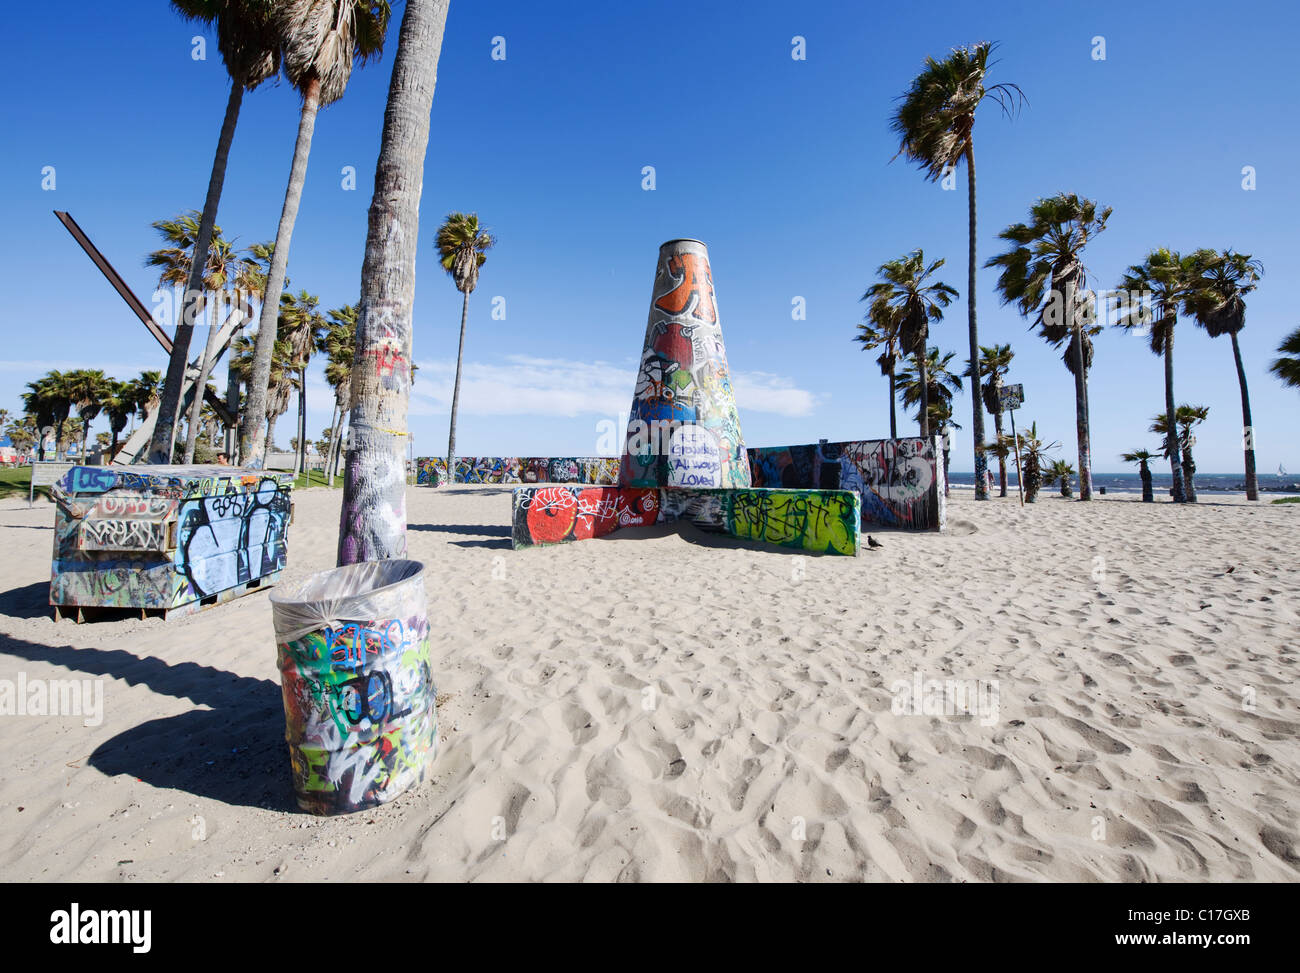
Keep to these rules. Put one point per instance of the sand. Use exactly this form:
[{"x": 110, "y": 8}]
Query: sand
[{"x": 658, "y": 706}]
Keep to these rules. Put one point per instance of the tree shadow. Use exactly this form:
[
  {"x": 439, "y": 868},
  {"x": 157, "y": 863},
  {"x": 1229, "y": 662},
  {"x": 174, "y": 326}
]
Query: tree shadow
[
  {"x": 484, "y": 530},
  {"x": 483, "y": 491},
  {"x": 233, "y": 751},
  {"x": 499, "y": 543}
]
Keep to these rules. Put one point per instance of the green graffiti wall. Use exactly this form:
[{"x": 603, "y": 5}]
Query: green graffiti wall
[{"x": 817, "y": 521}]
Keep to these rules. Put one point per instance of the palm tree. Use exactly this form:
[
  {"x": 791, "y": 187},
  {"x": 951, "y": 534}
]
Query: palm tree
[
  {"x": 1043, "y": 274},
  {"x": 930, "y": 385},
  {"x": 339, "y": 344},
  {"x": 1059, "y": 472},
  {"x": 1001, "y": 447},
  {"x": 935, "y": 125},
  {"x": 1185, "y": 418},
  {"x": 995, "y": 362},
  {"x": 23, "y": 433},
  {"x": 173, "y": 260},
  {"x": 1287, "y": 368},
  {"x": 1143, "y": 458},
  {"x": 146, "y": 389},
  {"x": 48, "y": 400},
  {"x": 254, "y": 269},
  {"x": 251, "y": 52},
  {"x": 87, "y": 387},
  {"x": 939, "y": 410},
  {"x": 1168, "y": 279},
  {"x": 372, "y": 522},
  {"x": 303, "y": 327},
  {"x": 38, "y": 408},
  {"x": 881, "y": 330},
  {"x": 72, "y": 430},
  {"x": 283, "y": 380},
  {"x": 118, "y": 403},
  {"x": 179, "y": 235},
  {"x": 247, "y": 275},
  {"x": 321, "y": 40},
  {"x": 462, "y": 250},
  {"x": 1219, "y": 307},
  {"x": 1033, "y": 460},
  {"x": 902, "y": 295}
]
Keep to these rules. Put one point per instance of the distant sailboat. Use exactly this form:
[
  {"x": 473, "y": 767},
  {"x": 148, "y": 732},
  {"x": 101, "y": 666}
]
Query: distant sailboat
[{"x": 1281, "y": 470}]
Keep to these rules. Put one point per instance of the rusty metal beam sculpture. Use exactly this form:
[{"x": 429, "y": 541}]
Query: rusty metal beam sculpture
[{"x": 136, "y": 305}]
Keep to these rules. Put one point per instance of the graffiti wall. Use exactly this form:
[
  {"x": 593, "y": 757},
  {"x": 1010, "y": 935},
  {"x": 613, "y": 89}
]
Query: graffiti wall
[
  {"x": 555, "y": 514},
  {"x": 900, "y": 481},
  {"x": 359, "y": 712},
  {"x": 683, "y": 429},
  {"x": 598, "y": 470},
  {"x": 821, "y": 521},
  {"x": 166, "y": 538}
]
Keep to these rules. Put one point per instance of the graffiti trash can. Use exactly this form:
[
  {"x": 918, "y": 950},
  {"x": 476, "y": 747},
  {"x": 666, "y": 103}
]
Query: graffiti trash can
[{"x": 355, "y": 672}]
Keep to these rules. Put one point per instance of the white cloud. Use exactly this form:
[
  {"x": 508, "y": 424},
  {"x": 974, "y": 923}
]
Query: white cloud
[
  {"x": 765, "y": 392},
  {"x": 524, "y": 385}
]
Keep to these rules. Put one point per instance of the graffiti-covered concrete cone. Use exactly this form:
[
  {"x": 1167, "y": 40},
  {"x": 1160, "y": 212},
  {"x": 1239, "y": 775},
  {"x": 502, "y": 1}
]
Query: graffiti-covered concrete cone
[
  {"x": 684, "y": 430},
  {"x": 357, "y": 682}
]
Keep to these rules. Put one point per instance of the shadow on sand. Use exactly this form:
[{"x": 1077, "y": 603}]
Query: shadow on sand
[
  {"x": 233, "y": 751},
  {"x": 29, "y": 601}
]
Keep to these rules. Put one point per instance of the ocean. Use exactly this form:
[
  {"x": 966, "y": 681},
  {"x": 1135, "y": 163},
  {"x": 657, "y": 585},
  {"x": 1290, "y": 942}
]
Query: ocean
[{"x": 1269, "y": 483}]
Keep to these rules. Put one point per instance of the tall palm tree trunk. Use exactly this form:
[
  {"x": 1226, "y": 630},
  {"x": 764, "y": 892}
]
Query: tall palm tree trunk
[
  {"x": 250, "y": 449},
  {"x": 1189, "y": 473},
  {"x": 372, "y": 522},
  {"x": 297, "y": 439},
  {"x": 270, "y": 434},
  {"x": 455, "y": 393},
  {"x": 1002, "y": 460},
  {"x": 329, "y": 448},
  {"x": 341, "y": 396},
  {"x": 345, "y": 420},
  {"x": 893, "y": 412},
  {"x": 923, "y": 375},
  {"x": 232, "y": 401},
  {"x": 196, "y": 406},
  {"x": 1171, "y": 434},
  {"x": 977, "y": 420},
  {"x": 1081, "y": 415},
  {"x": 164, "y": 433},
  {"x": 302, "y": 420},
  {"x": 1248, "y": 430}
]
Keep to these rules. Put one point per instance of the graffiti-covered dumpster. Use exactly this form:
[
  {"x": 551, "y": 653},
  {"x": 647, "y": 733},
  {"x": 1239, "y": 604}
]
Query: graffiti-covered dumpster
[
  {"x": 355, "y": 672},
  {"x": 167, "y": 539}
]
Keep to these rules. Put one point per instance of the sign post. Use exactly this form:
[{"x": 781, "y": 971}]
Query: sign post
[
  {"x": 45, "y": 474},
  {"x": 1010, "y": 398}
]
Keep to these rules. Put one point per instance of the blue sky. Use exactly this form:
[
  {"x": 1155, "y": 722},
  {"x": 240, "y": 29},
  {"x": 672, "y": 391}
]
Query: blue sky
[{"x": 782, "y": 166}]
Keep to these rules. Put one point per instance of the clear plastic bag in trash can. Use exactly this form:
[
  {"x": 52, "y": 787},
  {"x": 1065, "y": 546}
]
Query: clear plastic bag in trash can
[{"x": 357, "y": 681}]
